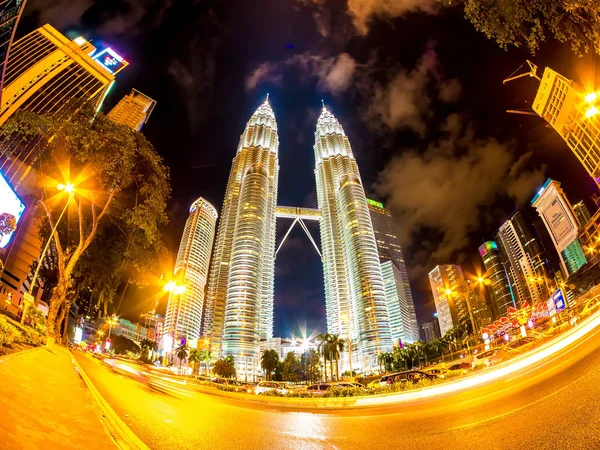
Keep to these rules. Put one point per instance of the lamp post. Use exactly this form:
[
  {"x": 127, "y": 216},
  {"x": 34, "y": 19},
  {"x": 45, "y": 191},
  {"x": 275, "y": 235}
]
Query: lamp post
[{"x": 28, "y": 297}]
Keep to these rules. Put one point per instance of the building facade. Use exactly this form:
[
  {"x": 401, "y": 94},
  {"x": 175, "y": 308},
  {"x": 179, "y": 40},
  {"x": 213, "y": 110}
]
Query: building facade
[
  {"x": 239, "y": 307},
  {"x": 133, "y": 110},
  {"x": 401, "y": 307},
  {"x": 50, "y": 74},
  {"x": 501, "y": 293},
  {"x": 525, "y": 261},
  {"x": 574, "y": 114},
  {"x": 10, "y": 13},
  {"x": 450, "y": 295},
  {"x": 582, "y": 213},
  {"x": 430, "y": 331},
  {"x": 557, "y": 214},
  {"x": 355, "y": 299},
  {"x": 184, "y": 309}
]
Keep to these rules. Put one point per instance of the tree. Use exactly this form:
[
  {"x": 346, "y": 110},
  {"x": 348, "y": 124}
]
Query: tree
[
  {"x": 268, "y": 361},
  {"x": 224, "y": 368},
  {"x": 8, "y": 224},
  {"x": 291, "y": 369},
  {"x": 118, "y": 178},
  {"x": 336, "y": 345},
  {"x": 311, "y": 366},
  {"x": 147, "y": 345},
  {"x": 386, "y": 360},
  {"x": 122, "y": 345},
  {"x": 528, "y": 23},
  {"x": 324, "y": 350},
  {"x": 195, "y": 357},
  {"x": 181, "y": 353},
  {"x": 206, "y": 356}
]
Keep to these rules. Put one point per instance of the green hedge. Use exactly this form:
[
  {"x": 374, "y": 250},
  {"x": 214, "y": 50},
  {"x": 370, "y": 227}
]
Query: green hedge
[{"x": 8, "y": 333}]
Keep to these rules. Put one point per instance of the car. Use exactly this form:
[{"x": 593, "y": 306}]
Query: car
[
  {"x": 458, "y": 368},
  {"x": 269, "y": 386},
  {"x": 512, "y": 349},
  {"x": 590, "y": 307},
  {"x": 483, "y": 359},
  {"x": 413, "y": 376},
  {"x": 438, "y": 371},
  {"x": 318, "y": 389}
]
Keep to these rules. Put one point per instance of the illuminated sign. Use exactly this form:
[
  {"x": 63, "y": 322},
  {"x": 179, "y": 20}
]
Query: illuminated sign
[
  {"x": 559, "y": 300},
  {"x": 487, "y": 247},
  {"x": 374, "y": 203},
  {"x": 541, "y": 191},
  {"x": 110, "y": 60},
  {"x": 167, "y": 343},
  {"x": 78, "y": 335},
  {"x": 80, "y": 40},
  {"x": 10, "y": 204}
]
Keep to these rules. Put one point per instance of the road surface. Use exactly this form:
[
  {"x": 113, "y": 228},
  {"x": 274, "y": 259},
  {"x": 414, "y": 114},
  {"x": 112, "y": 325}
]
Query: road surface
[{"x": 554, "y": 406}]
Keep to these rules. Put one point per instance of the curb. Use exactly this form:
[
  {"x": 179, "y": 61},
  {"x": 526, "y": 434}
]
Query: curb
[{"x": 124, "y": 438}]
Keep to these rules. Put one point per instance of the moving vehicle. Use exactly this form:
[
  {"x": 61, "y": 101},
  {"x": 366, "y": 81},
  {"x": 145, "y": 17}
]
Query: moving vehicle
[
  {"x": 511, "y": 349},
  {"x": 267, "y": 386},
  {"x": 438, "y": 371},
  {"x": 483, "y": 359},
  {"x": 412, "y": 376},
  {"x": 590, "y": 307}
]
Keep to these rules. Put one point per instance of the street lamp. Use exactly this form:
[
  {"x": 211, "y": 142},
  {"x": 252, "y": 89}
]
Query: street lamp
[
  {"x": 70, "y": 189},
  {"x": 111, "y": 322}
]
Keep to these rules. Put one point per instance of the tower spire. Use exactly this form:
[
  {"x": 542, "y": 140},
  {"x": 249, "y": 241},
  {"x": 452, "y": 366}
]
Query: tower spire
[
  {"x": 267, "y": 99},
  {"x": 323, "y": 103}
]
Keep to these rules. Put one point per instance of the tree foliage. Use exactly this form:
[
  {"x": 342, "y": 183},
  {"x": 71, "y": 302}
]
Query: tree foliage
[
  {"x": 120, "y": 182},
  {"x": 528, "y": 23},
  {"x": 121, "y": 345},
  {"x": 224, "y": 368},
  {"x": 8, "y": 224},
  {"x": 268, "y": 361}
]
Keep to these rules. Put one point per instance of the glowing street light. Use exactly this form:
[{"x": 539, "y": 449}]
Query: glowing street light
[
  {"x": 175, "y": 288},
  {"x": 591, "y": 97},
  {"x": 69, "y": 188},
  {"x": 591, "y": 112}
]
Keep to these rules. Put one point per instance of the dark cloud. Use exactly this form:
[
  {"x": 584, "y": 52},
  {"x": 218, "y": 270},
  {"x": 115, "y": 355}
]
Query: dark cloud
[
  {"x": 362, "y": 11},
  {"x": 447, "y": 188}
]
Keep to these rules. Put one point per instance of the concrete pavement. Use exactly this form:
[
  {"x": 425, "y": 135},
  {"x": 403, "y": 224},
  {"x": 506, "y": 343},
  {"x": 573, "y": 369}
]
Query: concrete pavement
[{"x": 44, "y": 404}]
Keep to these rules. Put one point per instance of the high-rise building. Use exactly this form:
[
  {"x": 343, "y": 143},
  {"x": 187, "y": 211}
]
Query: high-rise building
[
  {"x": 50, "y": 74},
  {"x": 184, "y": 310},
  {"x": 239, "y": 306},
  {"x": 575, "y": 116},
  {"x": 430, "y": 331},
  {"x": 500, "y": 288},
  {"x": 582, "y": 213},
  {"x": 133, "y": 110},
  {"x": 524, "y": 258},
  {"x": 450, "y": 293},
  {"x": 401, "y": 307},
  {"x": 355, "y": 298},
  {"x": 557, "y": 214},
  {"x": 10, "y": 13}
]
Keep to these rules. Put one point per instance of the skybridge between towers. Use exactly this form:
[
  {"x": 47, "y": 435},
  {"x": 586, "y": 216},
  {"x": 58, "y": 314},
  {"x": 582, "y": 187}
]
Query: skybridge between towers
[{"x": 299, "y": 215}]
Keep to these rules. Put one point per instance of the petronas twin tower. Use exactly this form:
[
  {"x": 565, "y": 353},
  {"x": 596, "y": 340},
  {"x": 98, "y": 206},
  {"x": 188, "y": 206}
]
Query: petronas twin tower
[{"x": 239, "y": 303}]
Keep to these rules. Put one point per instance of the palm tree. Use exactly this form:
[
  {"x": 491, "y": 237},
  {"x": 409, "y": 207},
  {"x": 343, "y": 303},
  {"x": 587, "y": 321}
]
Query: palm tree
[
  {"x": 195, "y": 357},
  {"x": 206, "y": 356},
  {"x": 336, "y": 345},
  {"x": 386, "y": 360},
  {"x": 148, "y": 345},
  {"x": 417, "y": 352},
  {"x": 269, "y": 361},
  {"x": 323, "y": 340},
  {"x": 181, "y": 354}
]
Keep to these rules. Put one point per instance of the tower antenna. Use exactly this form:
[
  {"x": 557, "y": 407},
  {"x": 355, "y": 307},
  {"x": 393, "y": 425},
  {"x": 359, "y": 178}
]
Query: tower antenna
[
  {"x": 267, "y": 97},
  {"x": 323, "y": 102}
]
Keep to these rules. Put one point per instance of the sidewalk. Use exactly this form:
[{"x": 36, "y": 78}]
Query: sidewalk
[{"x": 44, "y": 404}]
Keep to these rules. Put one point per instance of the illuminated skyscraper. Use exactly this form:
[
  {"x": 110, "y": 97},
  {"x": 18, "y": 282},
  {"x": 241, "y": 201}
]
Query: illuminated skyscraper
[
  {"x": 557, "y": 214},
  {"x": 184, "y": 310},
  {"x": 239, "y": 307},
  {"x": 449, "y": 291},
  {"x": 574, "y": 114},
  {"x": 500, "y": 289},
  {"x": 10, "y": 13},
  {"x": 401, "y": 307},
  {"x": 133, "y": 110},
  {"x": 525, "y": 261},
  {"x": 582, "y": 213},
  {"x": 49, "y": 74},
  {"x": 355, "y": 298}
]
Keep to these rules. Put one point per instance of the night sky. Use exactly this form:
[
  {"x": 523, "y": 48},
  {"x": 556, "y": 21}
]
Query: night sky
[{"x": 417, "y": 89}]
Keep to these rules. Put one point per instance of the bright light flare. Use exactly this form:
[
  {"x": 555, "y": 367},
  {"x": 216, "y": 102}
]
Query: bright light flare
[
  {"x": 591, "y": 97},
  {"x": 69, "y": 188},
  {"x": 591, "y": 112}
]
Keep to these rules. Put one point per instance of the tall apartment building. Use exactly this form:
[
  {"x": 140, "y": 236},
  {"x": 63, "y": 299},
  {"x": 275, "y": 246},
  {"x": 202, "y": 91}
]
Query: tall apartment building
[
  {"x": 557, "y": 214},
  {"x": 582, "y": 213},
  {"x": 184, "y": 310},
  {"x": 133, "y": 110},
  {"x": 430, "y": 331},
  {"x": 401, "y": 307},
  {"x": 450, "y": 294},
  {"x": 239, "y": 306},
  {"x": 50, "y": 74},
  {"x": 500, "y": 288},
  {"x": 524, "y": 259},
  {"x": 574, "y": 114},
  {"x": 10, "y": 13}
]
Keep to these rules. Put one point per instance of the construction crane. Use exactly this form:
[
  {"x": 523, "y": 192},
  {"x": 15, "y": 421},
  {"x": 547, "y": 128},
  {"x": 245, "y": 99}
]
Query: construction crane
[{"x": 532, "y": 73}]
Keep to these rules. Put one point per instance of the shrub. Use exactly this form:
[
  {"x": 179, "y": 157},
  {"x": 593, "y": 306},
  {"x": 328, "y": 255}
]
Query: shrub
[{"x": 8, "y": 333}]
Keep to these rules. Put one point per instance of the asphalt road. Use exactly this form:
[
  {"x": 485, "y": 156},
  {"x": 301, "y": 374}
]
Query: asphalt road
[{"x": 554, "y": 406}]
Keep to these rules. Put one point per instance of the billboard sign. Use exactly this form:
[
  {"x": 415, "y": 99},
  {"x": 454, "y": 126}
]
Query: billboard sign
[
  {"x": 11, "y": 204},
  {"x": 110, "y": 60},
  {"x": 559, "y": 300}
]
